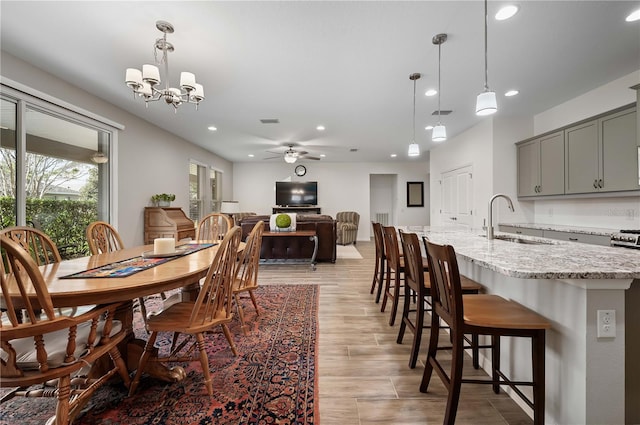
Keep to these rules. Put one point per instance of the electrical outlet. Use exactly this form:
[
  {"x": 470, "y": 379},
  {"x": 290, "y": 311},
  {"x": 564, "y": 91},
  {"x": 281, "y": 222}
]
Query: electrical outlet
[{"x": 606, "y": 324}]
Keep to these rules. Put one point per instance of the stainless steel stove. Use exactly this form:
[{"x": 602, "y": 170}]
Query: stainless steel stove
[{"x": 626, "y": 239}]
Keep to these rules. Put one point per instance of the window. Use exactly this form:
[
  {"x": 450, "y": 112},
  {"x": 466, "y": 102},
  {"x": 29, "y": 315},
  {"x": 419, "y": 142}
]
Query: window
[
  {"x": 205, "y": 190},
  {"x": 54, "y": 166}
]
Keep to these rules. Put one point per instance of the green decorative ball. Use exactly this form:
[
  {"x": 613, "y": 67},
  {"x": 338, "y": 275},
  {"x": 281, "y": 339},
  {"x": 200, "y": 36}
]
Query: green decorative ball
[{"x": 283, "y": 221}]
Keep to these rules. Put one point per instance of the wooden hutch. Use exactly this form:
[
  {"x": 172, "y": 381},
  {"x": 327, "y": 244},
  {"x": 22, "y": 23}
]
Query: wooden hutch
[{"x": 167, "y": 222}]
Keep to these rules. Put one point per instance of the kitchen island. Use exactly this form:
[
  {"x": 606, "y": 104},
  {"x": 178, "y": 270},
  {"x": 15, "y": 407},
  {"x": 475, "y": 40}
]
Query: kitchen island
[{"x": 568, "y": 283}]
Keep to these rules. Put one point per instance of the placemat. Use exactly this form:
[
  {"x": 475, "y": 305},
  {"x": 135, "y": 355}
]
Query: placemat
[{"x": 134, "y": 265}]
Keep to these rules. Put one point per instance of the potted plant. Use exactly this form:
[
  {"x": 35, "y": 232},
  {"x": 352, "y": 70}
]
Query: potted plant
[{"x": 163, "y": 199}]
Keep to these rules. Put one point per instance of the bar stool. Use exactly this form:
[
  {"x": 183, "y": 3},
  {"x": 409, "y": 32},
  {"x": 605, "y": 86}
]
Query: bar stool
[
  {"x": 395, "y": 268},
  {"x": 378, "y": 273},
  {"x": 481, "y": 314},
  {"x": 417, "y": 282}
]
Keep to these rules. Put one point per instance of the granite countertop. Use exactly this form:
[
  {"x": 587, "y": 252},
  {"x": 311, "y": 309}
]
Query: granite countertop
[
  {"x": 553, "y": 259},
  {"x": 561, "y": 228}
]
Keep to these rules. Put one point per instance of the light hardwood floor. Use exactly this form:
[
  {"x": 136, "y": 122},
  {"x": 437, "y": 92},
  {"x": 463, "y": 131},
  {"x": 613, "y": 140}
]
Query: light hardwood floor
[{"x": 364, "y": 377}]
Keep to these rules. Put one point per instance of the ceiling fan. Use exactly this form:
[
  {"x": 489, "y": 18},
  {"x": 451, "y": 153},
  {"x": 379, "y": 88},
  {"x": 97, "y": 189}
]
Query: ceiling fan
[{"x": 291, "y": 155}]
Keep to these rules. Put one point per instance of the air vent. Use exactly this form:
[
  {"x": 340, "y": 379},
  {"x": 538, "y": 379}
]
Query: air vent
[
  {"x": 270, "y": 121},
  {"x": 353, "y": 150},
  {"x": 442, "y": 112}
]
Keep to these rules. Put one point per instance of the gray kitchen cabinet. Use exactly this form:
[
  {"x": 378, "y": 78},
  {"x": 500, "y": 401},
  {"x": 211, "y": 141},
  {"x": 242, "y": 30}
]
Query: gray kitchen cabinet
[
  {"x": 541, "y": 166},
  {"x": 619, "y": 151},
  {"x": 578, "y": 237},
  {"x": 601, "y": 155}
]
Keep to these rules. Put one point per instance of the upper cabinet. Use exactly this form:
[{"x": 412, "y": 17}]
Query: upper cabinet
[
  {"x": 541, "y": 166},
  {"x": 594, "y": 156},
  {"x": 601, "y": 155}
]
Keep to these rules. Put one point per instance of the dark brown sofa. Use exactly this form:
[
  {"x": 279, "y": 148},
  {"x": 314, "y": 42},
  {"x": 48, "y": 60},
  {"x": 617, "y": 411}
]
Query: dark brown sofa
[{"x": 297, "y": 247}]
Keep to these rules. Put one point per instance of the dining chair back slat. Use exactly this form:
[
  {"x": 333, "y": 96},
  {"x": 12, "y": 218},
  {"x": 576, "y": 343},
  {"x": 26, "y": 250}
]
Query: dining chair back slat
[
  {"x": 40, "y": 246},
  {"x": 103, "y": 237},
  {"x": 213, "y": 227}
]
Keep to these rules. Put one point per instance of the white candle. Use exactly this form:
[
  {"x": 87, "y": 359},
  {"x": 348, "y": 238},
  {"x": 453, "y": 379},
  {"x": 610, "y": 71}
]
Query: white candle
[{"x": 164, "y": 245}]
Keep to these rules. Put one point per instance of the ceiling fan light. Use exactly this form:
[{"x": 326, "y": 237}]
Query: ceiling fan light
[
  {"x": 439, "y": 133},
  {"x": 414, "y": 149},
  {"x": 290, "y": 159},
  {"x": 486, "y": 103}
]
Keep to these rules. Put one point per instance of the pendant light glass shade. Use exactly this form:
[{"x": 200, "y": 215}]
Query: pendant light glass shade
[
  {"x": 439, "y": 133},
  {"x": 414, "y": 149},
  {"x": 486, "y": 103}
]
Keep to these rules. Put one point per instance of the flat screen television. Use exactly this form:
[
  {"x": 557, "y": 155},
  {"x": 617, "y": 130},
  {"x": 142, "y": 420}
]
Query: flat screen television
[{"x": 296, "y": 194}]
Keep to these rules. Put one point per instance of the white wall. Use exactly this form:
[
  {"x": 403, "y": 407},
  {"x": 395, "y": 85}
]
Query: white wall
[
  {"x": 341, "y": 187},
  {"x": 473, "y": 147},
  {"x": 150, "y": 160}
]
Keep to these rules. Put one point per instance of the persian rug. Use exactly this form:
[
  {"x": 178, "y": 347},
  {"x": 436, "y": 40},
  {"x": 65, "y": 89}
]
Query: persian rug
[
  {"x": 272, "y": 380},
  {"x": 347, "y": 252}
]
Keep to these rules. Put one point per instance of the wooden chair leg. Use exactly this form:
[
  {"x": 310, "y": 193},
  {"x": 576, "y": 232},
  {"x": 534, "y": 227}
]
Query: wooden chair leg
[
  {"x": 455, "y": 381},
  {"x": 537, "y": 349},
  {"x": 395, "y": 300},
  {"x": 148, "y": 349},
  {"x": 431, "y": 352},
  {"x": 254, "y": 302},
  {"x": 474, "y": 351},
  {"x": 375, "y": 276},
  {"x": 227, "y": 334},
  {"x": 381, "y": 280},
  {"x": 405, "y": 314},
  {"x": 240, "y": 310},
  {"x": 495, "y": 361},
  {"x": 417, "y": 335},
  {"x": 118, "y": 361},
  {"x": 64, "y": 392},
  {"x": 204, "y": 362},
  {"x": 387, "y": 288}
]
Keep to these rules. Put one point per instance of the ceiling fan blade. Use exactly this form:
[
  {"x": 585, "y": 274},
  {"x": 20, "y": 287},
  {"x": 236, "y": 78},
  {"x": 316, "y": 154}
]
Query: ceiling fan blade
[
  {"x": 315, "y": 158},
  {"x": 272, "y": 157}
]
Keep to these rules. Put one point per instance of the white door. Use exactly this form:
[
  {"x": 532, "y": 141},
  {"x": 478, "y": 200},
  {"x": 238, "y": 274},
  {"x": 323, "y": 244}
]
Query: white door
[{"x": 457, "y": 192}]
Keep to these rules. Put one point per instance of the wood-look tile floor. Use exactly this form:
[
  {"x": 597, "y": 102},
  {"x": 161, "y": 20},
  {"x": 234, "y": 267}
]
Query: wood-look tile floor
[{"x": 364, "y": 377}]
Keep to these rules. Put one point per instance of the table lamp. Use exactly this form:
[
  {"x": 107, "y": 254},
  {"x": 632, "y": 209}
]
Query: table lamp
[{"x": 230, "y": 208}]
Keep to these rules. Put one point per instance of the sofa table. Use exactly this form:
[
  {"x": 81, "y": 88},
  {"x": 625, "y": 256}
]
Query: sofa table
[{"x": 311, "y": 234}]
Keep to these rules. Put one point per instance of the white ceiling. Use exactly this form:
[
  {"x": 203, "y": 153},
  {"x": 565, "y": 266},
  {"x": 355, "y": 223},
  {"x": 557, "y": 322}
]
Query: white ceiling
[{"x": 342, "y": 64}]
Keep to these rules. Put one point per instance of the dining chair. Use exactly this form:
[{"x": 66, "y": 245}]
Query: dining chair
[
  {"x": 102, "y": 237},
  {"x": 245, "y": 278},
  {"x": 417, "y": 284},
  {"x": 213, "y": 227},
  {"x": 481, "y": 314},
  {"x": 51, "y": 350},
  {"x": 40, "y": 246},
  {"x": 194, "y": 318},
  {"x": 380, "y": 264}
]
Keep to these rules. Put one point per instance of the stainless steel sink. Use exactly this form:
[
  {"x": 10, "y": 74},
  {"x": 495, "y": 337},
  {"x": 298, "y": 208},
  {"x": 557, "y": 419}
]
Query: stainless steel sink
[{"x": 515, "y": 239}]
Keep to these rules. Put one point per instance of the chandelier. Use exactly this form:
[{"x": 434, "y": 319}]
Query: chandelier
[{"x": 146, "y": 83}]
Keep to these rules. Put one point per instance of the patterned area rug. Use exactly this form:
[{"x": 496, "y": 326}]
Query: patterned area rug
[{"x": 272, "y": 381}]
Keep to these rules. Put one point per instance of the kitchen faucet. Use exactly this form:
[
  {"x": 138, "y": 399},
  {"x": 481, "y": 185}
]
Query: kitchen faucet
[{"x": 490, "y": 215}]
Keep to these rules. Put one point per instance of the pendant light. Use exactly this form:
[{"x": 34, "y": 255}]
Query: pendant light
[
  {"x": 439, "y": 133},
  {"x": 486, "y": 102},
  {"x": 414, "y": 148}
]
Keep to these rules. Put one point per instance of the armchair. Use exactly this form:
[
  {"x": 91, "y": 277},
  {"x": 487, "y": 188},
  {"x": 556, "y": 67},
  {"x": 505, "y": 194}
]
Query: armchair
[{"x": 347, "y": 227}]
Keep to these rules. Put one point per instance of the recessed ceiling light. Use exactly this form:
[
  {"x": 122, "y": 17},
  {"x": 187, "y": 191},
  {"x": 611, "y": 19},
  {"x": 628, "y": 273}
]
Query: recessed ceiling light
[
  {"x": 251, "y": 155},
  {"x": 322, "y": 155},
  {"x": 320, "y": 128},
  {"x": 634, "y": 16},
  {"x": 429, "y": 127},
  {"x": 431, "y": 92},
  {"x": 506, "y": 12},
  {"x": 212, "y": 128},
  {"x": 393, "y": 155},
  {"x": 511, "y": 93}
]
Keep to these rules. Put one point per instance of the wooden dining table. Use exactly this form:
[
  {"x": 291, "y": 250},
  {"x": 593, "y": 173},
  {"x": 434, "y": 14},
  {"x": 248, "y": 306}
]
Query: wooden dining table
[{"x": 180, "y": 272}]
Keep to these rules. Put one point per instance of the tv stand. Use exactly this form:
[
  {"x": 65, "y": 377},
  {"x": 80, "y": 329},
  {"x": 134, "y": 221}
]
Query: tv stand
[{"x": 297, "y": 209}]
